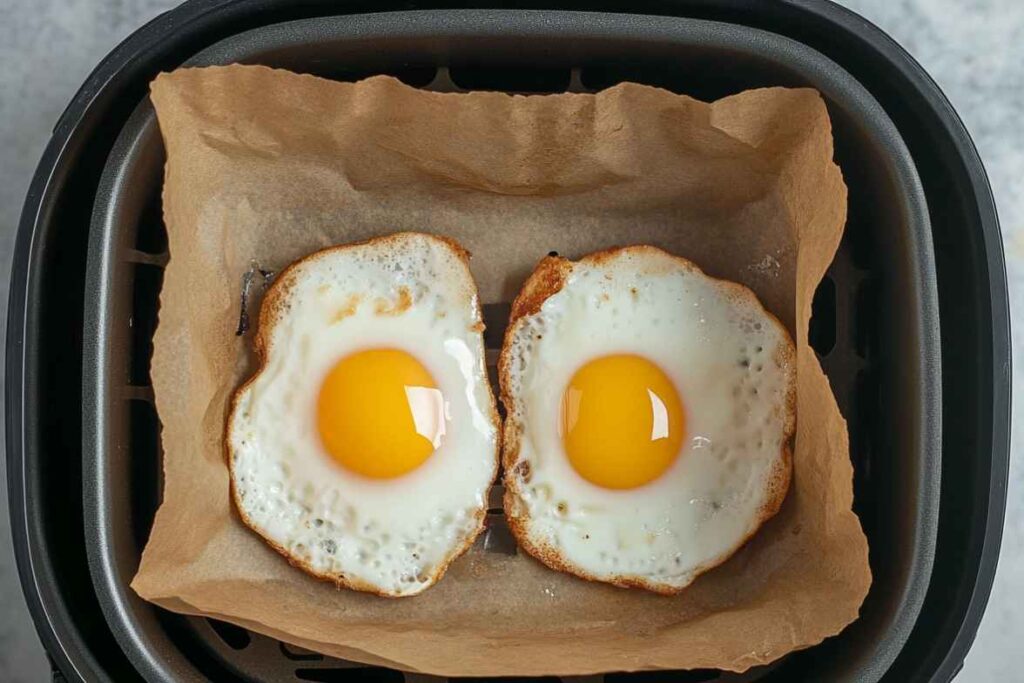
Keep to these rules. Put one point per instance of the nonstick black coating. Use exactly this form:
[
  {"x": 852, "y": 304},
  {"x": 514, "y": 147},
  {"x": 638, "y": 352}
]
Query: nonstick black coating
[{"x": 887, "y": 257}]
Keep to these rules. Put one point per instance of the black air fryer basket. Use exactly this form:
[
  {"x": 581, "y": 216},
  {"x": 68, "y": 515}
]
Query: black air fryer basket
[{"x": 910, "y": 323}]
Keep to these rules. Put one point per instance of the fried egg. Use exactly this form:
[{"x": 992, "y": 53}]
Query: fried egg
[
  {"x": 364, "y": 446},
  {"x": 650, "y": 410}
]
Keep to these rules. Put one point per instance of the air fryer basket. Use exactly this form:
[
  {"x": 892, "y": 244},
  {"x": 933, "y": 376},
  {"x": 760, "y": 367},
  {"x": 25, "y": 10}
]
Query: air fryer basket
[
  {"x": 884, "y": 265},
  {"x": 46, "y": 334}
]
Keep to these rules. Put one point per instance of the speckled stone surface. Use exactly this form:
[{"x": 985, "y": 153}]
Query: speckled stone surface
[{"x": 973, "y": 48}]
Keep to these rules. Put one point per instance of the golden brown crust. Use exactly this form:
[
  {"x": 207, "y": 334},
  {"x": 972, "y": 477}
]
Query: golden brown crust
[
  {"x": 348, "y": 310},
  {"x": 270, "y": 311},
  {"x": 398, "y": 307},
  {"x": 547, "y": 279}
]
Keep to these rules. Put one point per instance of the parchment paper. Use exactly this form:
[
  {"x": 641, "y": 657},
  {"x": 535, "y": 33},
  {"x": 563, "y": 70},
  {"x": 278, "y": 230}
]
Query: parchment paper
[{"x": 269, "y": 165}]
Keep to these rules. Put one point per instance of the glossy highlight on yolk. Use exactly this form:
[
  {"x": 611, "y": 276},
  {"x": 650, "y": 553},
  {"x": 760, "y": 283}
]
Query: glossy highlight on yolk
[
  {"x": 622, "y": 423},
  {"x": 380, "y": 413}
]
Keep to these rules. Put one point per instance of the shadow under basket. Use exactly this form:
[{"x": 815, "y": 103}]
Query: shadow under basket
[{"x": 84, "y": 309}]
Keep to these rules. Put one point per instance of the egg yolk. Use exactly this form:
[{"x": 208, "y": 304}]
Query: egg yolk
[
  {"x": 380, "y": 413},
  {"x": 622, "y": 422}
]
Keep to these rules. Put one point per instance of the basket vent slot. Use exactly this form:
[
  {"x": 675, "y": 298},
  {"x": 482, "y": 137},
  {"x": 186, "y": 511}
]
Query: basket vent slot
[
  {"x": 822, "y": 332},
  {"x": 511, "y": 79},
  {"x": 150, "y": 234},
  {"x": 692, "y": 676},
  {"x": 366, "y": 675},
  {"x": 142, "y": 321},
  {"x": 146, "y": 467},
  {"x": 236, "y": 637}
]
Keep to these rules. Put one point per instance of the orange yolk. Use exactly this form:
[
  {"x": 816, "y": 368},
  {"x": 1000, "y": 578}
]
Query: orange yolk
[
  {"x": 622, "y": 422},
  {"x": 380, "y": 413}
]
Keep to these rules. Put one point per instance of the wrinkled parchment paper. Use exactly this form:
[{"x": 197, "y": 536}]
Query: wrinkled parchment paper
[{"x": 269, "y": 165}]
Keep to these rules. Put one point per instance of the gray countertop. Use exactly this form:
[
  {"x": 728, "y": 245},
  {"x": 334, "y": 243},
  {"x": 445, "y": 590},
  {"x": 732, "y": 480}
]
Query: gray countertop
[{"x": 974, "y": 49}]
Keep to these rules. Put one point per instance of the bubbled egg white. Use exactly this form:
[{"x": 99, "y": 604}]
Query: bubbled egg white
[
  {"x": 409, "y": 295},
  {"x": 732, "y": 366}
]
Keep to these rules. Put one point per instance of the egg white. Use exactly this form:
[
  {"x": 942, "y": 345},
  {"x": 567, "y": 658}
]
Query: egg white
[{"x": 390, "y": 536}]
